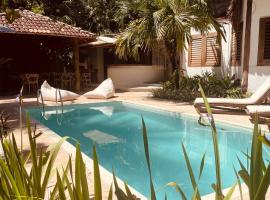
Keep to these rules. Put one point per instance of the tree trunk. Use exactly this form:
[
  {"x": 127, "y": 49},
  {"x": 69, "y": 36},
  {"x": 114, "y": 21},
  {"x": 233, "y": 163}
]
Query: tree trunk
[
  {"x": 77, "y": 66},
  {"x": 245, "y": 73},
  {"x": 172, "y": 55}
]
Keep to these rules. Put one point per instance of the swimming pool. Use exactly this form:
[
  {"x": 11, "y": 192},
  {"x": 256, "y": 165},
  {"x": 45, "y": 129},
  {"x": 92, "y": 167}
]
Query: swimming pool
[{"x": 115, "y": 128}]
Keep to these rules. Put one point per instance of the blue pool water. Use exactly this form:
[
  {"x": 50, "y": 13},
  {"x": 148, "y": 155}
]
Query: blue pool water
[{"x": 115, "y": 128}]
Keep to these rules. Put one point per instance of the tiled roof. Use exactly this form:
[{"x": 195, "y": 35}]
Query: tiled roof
[{"x": 36, "y": 24}]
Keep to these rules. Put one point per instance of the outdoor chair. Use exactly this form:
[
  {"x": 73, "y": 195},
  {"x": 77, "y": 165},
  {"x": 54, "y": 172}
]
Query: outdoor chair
[
  {"x": 31, "y": 80},
  {"x": 223, "y": 104},
  {"x": 263, "y": 112},
  {"x": 86, "y": 80},
  {"x": 66, "y": 80},
  {"x": 44, "y": 76},
  {"x": 56, "y": 79}
]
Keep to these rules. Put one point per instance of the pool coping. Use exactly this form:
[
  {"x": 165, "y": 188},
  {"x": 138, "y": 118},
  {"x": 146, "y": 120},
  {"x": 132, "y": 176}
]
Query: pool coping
[{"x": 107, "y": 176}]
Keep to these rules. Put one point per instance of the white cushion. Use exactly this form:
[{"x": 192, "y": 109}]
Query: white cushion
[
  {"x": 260, "y": 109},
  {"x": 49, "y": 93},
  {"x": 261, "y": 91},
  {"x": 104, "y": 91},
  {"x": 255, "y": 98},
  {"x": 224, "y": 101}
]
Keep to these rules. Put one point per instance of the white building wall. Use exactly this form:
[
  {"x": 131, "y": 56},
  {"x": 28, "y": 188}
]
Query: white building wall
[
  {"x": 126, "y": 76},
  {"x": 224, "y": 69},
  {"x": 257, "y": 74}
]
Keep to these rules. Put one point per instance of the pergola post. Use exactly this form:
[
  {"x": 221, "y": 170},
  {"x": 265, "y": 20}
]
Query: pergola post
[{"x": 77, "y": 65}]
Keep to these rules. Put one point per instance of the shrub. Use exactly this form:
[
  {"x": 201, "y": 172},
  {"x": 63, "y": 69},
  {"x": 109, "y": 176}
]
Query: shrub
[
  {"x": 189, "y": 90},
  {"x": 4, "y": 127}
]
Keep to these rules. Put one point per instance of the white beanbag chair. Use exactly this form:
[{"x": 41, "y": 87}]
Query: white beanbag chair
[
  {"x": 49, "y": 93},
  {"x": 104, "y": 91}
]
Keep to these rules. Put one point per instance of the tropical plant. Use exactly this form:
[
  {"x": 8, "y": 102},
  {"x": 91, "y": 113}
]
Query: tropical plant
[
  {"x": 168, "y": 22},
  {"x": 16, "y": 181},
  {"x": 28, "y": 176},
  {"x": 257, "y": 174},
  {"x": 4, "y": 127},
  {"x": 189, "y": 90}
]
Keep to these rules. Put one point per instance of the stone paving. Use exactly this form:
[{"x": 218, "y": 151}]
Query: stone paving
[{"x": 143, "y": 98}]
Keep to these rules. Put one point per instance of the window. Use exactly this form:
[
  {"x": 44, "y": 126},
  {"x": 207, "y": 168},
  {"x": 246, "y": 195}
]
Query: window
[
  {"x": 204, "y": 51},
  {"x": 237, "y": 36},
  {"x": 264, "y": 42}
]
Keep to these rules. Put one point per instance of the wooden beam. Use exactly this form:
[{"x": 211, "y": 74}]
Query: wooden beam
[
  {"x": 77, "y": 65},
  {"x": 245, "y": 73}
]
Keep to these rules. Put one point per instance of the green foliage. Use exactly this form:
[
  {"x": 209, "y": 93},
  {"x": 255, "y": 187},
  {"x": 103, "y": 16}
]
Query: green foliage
[
  {"x": 16, "y": 181},
  {"x": 4, "y": 127},
  {"x": 257, "y": 178},
  {"x": 189, "y": 89},
  {"x": 168, "y": 22}
]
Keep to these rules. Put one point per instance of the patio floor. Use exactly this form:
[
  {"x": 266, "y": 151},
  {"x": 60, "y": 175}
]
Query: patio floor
[{"x": 144, "y": 98}]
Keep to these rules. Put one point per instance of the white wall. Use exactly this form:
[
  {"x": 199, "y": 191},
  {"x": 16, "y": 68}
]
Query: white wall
[
  {"x": 126, "y": 76},
  {"x": 257, "y": 74},
  {"x": 224, "y": 69}
]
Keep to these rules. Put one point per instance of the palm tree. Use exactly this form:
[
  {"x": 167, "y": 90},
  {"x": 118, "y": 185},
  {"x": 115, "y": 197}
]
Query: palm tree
[{"x": 166, "y": 21}]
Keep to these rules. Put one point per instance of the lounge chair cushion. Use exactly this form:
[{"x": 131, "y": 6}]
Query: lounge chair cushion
[
  {"x": 104, "y": 91},
  {"x": 49, "y": 93},
  {"x": 260, "y": 109},
  {"x": 224, "y": 101},
  {"x": 256, "y": 97}
]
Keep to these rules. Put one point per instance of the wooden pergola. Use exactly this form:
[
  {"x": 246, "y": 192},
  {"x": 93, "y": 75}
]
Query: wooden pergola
[{"x": 33, "y": 30}]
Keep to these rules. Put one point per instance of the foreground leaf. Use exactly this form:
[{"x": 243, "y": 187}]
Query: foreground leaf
[{"x": 97, "y": 181}]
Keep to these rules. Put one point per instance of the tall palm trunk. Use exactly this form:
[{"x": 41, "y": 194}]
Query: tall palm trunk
[
  {"x": 172, "y": 56},
  {"x": 244, "y": 83}
]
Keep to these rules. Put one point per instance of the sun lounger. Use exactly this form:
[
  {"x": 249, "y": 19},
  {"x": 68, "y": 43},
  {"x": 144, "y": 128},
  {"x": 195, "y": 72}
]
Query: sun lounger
[
  {"x": 49, "y": 93},
  {"x": 104, "y": 91},
  {"x": 257, "y": 98},
  {"x": 263, "y": 112}
]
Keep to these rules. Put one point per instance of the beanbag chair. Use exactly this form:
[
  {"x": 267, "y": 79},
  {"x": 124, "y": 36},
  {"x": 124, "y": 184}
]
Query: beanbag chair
[
  {"x": 104, "y": 91},
  {"x": 49, "y": 93}
]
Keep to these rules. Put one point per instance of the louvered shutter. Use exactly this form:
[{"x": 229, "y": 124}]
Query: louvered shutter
[
  {"x": 266, "y": 55},
  {"x": 264, "y": 42},
  {"x": 195, "y": 51},
  {"x": 237, "y": 45},
  {"x": 212, "y": 57}
]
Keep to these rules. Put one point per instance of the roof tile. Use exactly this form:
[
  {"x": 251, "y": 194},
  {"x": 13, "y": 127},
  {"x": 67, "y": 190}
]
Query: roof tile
[{"x": 32, "y": 23}]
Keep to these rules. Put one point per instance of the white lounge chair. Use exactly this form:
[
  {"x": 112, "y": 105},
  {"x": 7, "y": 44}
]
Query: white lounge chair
[
  {"x": 49, "y": 93},
  {"x": 104, "y": 91},
  {"x": 47, "y": 114},
  {"x": 263, "y": 112},
  {"x": 257, "y": 98}
]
